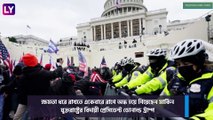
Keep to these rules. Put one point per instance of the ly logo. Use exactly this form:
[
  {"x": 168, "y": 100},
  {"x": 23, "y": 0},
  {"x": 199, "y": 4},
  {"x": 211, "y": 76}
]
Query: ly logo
[{"x": 8, "y": 9}]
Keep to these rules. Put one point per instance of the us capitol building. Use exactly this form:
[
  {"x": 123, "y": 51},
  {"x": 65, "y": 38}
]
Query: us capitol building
[
  {"x": 125, "y": 19},
  {"x": 125, "y": 29}
]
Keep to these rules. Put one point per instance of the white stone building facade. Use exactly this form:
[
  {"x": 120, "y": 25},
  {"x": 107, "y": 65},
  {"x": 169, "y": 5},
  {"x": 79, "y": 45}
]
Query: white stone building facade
[
  {"x": 125, "y": 19},
  {"x": 31, "y": 40}
]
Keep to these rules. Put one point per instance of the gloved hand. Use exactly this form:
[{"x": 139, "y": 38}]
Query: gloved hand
[
  {"x": 131, "y": 92},
  {"x": 177, "y": 86},
  {"x": 125, "y": 87}
]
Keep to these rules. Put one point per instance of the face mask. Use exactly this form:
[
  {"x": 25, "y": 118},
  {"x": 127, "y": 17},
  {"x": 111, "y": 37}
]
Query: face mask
[
  {"x": 128, "y": 67},
  {"x": 157, "y": 65},
  {"x": 153, "y": 65},
  {"x": 188, "y": 72}
]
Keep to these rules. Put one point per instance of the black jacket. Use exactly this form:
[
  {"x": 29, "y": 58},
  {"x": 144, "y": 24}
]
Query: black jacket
[{"x": 35, "y": 81}]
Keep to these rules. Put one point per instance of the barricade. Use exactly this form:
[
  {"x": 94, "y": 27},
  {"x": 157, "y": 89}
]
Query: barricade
[{"x": 111, "y": 90}]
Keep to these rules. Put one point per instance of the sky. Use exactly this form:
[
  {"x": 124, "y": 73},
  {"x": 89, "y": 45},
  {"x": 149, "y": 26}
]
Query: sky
[{"x": 55, "y": 19}]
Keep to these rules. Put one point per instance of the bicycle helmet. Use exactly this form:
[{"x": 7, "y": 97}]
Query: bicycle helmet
[
  {"x": 186, "y": 48},
  {"x": 126, "y": 61},
  {"x": 157, "y": 52}
]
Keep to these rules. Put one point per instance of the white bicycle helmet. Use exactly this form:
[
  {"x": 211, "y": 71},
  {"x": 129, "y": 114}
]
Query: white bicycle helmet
[
  {"x": 126, "y": 61},
  {"x": 188, "y": 47},
  {"x": 156, "y": 52}
]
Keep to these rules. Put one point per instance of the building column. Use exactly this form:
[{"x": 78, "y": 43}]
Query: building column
[
  {"x": 112, "y": 32},
  {"x": 93, "y": 37},
  {"x": 102, "y": 35},
  {"x": 131, "y": 26},
  {"x": 104, "y": 31},
  {"x": 127, "y": 28},
  {"x": 119, "y": 24},
  {"x": 144, "y": 26},
  {"x": 140, "y": 27},
  {"x": 94, "y": 34}
]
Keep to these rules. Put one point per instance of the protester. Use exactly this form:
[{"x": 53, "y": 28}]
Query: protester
[
  {"x": 35, "y": 81},
  {"x": 47, "y": 67},
  {"x": 59, "y": 62},
  {"x": 5, "y": 101}
]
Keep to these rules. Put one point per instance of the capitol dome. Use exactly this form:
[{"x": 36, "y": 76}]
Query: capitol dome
[{"x": 112, "y": 7}]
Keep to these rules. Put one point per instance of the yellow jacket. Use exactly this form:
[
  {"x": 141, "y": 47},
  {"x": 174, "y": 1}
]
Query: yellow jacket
[{"x": 145, "y": 77}]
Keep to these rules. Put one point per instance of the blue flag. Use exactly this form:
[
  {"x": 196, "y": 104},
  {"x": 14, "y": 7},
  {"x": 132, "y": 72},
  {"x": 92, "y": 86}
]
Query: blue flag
[{"x": 52, "y": 47}]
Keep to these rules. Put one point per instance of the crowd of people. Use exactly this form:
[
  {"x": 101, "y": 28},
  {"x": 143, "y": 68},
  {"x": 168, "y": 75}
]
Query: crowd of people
[{"x": 185, "y": 74}]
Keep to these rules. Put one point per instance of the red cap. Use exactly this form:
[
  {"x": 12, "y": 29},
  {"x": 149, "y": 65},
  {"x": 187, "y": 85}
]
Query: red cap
[
  {"x": 30, "y": 60},
  {"x": 47, "y": 67}
]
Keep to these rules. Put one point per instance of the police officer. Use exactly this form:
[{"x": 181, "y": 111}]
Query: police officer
[
  {"x": 120, "y": 72},
  {"x": 157, "y": 65},
  {"x": 130, "y": 67},
  {"x": 192, "y": 78}
]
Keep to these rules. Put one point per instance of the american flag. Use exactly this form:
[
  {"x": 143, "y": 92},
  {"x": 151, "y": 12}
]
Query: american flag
[
  {"x": 103, "y": 63},
  {"x": 14, "y": 63},
  {"x": 5, "y": 56},
  {"x": 82, "y": 63}
]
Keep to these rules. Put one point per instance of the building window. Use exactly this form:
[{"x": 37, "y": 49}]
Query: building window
[
  {"x": 124, "y": 29},
  {"x": 129, "y": 9},
  {"x": 125, "y": 9},
  {"x": 108, "y": 31},
  {"x": 116, "y": 30},
  {"x": 98, "y": 32},
  {"x": 133, "y": 9},
  {"x": 135, "y": 24},
  {"x": 139, "y": 54}
]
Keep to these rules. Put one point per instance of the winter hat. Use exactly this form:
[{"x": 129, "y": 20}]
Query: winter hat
[
  {"x": 18, "y": 69},
  {"x": 47, "y": 67},
  {"x": 30, "y": 60}
]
